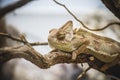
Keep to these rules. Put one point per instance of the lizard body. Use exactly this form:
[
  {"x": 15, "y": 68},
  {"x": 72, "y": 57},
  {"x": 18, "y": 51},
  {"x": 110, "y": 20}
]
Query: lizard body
[{"x": 82, "y": 41}]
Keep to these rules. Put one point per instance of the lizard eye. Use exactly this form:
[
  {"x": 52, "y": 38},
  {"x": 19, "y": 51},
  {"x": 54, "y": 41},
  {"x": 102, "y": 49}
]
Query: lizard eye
[{"x": 60, "y": 35}]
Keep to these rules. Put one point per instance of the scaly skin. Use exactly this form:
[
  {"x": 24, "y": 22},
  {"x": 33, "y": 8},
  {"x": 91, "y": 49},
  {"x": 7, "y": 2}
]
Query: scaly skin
[{"x": 81, "y": 41}]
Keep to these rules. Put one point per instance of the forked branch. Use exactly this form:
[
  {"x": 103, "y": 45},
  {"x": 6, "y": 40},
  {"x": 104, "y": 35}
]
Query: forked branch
[
  {"x": 42, "y": 61},
  {"x": 19, "y": 40}
]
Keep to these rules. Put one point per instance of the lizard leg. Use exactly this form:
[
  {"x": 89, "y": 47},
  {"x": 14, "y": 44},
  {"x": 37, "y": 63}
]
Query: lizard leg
[
  {"x": 81, "y": 49},
  {"x": 108, "y": 65}
]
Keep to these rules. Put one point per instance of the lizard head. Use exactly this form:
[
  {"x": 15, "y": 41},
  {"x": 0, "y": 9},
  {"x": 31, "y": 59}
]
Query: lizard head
[
  {"x": 65, "y": 32},
  {"x": 62, "y": 35}
]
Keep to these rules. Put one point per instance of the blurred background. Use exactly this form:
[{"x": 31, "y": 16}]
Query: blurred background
[{"x": 36, "y": 18}]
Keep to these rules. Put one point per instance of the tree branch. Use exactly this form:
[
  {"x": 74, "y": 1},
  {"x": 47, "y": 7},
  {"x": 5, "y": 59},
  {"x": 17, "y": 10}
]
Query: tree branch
[
  {"x": 85, "y": 26},
  {"x": 113, "y": 6},
  {"x": 19, "y": 40},
  {"x": 36, "y": 58},
  {"x": 11, "y": 7}
]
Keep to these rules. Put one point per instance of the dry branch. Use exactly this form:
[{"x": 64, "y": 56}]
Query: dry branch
[
  {"x": 36, "y": 58},
  {"x": 11, "y": 7},
  {"x": 113, "y": 6},
  {"x": 82, "y": 23},
  {"x": 19, "y": 40}
]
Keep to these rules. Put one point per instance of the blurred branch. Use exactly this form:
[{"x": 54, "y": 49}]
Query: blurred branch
[
  {"x": 113, "y": 6},
  {"x": 82, "y": 23},
  {"x": 19, "y": 40},
  {"x": 36, "y": 58},
  {"x": 11, "y": 7}
]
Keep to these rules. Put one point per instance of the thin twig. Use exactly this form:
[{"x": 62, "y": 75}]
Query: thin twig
[
  {"x": 11, "y": 37},
  {"x": 99, "y": 29},
  {"x": 83, "y": 73},
  {"x": 19, "y": 40},
  {"x": 38, "y": 43},
  {"x": 13, "y": 6}
]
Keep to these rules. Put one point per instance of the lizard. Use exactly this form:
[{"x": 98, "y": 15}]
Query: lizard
[{"x": 79, "y": 41}]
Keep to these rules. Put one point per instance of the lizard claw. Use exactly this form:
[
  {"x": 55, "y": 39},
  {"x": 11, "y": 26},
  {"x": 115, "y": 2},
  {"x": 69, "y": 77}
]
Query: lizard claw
[{"x": 74, "y": 56}]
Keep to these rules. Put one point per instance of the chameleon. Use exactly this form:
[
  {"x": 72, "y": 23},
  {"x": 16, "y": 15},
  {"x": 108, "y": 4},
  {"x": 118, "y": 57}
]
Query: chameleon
[{"x": 79, "y": 41}]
